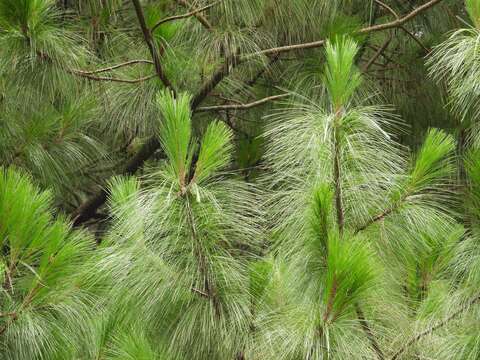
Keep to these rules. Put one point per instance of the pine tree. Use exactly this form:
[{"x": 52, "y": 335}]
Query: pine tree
[{"x": 239, "y": 179}]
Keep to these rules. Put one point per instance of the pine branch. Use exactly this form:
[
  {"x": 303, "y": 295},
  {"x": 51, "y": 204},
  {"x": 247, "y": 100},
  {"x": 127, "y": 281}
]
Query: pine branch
[
  {"x": 378, "y": 53},
  {"x": 127, "y": 63},
  {"x": 430, "y": 330},
  {"x": 209, "y": 287},
  {"x": 222, "y": 71},
  {"x": 86, "y": 210},
  {"x": 319, "y": 43},
  {"x": 368, "y": 331},
  {"x": 183, "y": 16},
  {"x": 147, "y": 35},
  {"x": 201, "y": 293},
  {"x": 341, "y": 222},
  {"x": 8, "y": 314},
  {"x": 242, "y": 106},
  {"x": 338, "y": 103},
  {"x": 100, "y": 78}
]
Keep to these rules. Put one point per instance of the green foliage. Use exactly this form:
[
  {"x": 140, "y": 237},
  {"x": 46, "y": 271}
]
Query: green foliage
[
  {"x": 455, "y": 61},
  {"x": 44, "y": 308},
  {"x": 473, "y": 9},
  {"x": 349, "y": 274},
  {"x": 175, "y": 133},
  {"x": 200, "y": 254},
  {"x": 215, "y": 151},
  {"x": 341, "y": 77},
  {"x": 316, "y": 227},
  {"x": 36, "y": 49}
]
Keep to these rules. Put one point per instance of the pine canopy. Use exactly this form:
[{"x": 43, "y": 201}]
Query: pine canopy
[{"x": 239, "y": 179}]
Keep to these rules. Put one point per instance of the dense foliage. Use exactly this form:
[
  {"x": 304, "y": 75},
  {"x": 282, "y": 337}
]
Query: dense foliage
[{"x": 239, "y": 179}]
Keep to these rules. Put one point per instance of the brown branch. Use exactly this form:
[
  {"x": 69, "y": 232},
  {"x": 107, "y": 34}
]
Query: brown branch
[
  {"x": 183, "y": 16},
  {"x": 430, "y": 330},
  {"x": 319, "y": 43},
  {"x": 242, "y": 106},
  {"x": 101, "y": 78},
  {"x": 197, "y": 14},
  {"x": 376, "y": 55},
  {"x": 127, "y": 63},
  {"x": 88, "y": 209},
  {"x": 147, "y": 35},
  {"x": 373, "y": 220},
  {"x": 8, "y": 314},
  {"x": 384, "y": 213},
  {"x": 366, "y": 328},
  {"x": 201, "y": 293},
  {"x": 416, "y": 39},
  {"x": 330, "y": 299},
  {"x": 222, "y": 71},
  {"x": 400, "y": 21}
]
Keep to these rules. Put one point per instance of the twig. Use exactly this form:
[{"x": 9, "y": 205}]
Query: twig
[
  {"x": 388, "y": 8},
  {"x": 183, "y": 16},
  {"x": 242, "y": 106},
  {"x": 128, "y": 63},
  {"x": 377, "y": 54},
  {"x": 147, "y": 35},
  {"x": 201, "y": 293},
  {"x": 8, "y": 314},
  {"x": 100, "y": 78},
  {"x": 373, "y": 220},
  {"x": 223, "y": 70},
  {"x": 368, "y": 331}
]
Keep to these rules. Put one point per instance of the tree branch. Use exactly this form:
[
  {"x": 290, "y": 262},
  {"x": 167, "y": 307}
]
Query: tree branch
[
  {"x": 242, "y": 106},
  {"x": 377, "y": 54},
  {"x": 222, "y": 71},
  {"x": 201, "y": 293},
  {"x": 319, "y": 43},
  {"x": 366, "y": 329},
  {"x": 147, "y": 35},
  {"x": 8, "y": 314},
  {"x": 127, "y": 63},
  {"x": 383, "y": 214},
  {"x": 183, "y": 16},
  {"x": 100, "y": 78}
]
